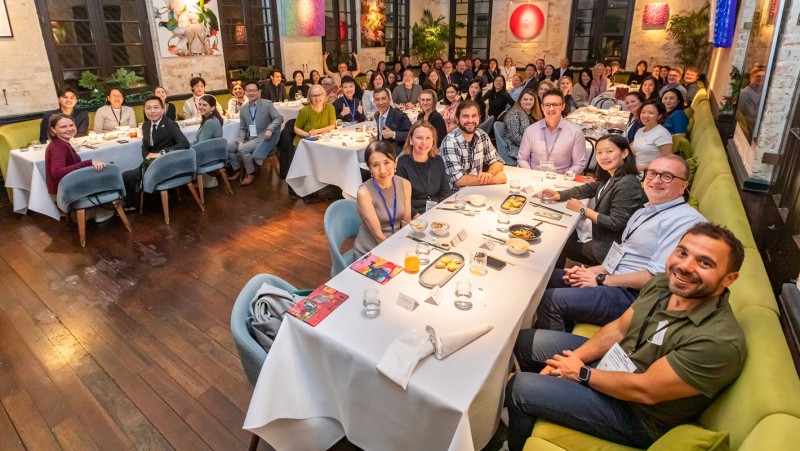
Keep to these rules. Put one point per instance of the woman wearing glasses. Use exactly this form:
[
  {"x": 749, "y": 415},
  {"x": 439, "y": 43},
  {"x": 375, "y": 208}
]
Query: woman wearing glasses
[
  {"x": 316, "y": 118},
  {"x": 553, "y": 143},
  {"x": 652, "y": 140}
]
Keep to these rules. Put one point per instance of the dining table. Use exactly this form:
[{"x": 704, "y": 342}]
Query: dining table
[
  {"x": 26, "y": 166},
  {"x": 319, "y": 384}
]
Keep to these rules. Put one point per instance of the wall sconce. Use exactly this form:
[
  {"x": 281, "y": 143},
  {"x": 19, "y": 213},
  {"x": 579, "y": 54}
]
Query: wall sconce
[
  {"x": 656, "y": 14},
  {"x": 239, "y": 33}
]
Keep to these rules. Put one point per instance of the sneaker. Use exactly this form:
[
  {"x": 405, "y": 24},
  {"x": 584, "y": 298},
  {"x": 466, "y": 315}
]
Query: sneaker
[{"x": 103, "y": 215}]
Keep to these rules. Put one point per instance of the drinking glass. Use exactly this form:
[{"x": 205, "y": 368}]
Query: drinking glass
[
  {"x": 461, "y": 201},
  {"x": 463, "y": 295},
  {"x": 477, "y": 262},
  {"x": 338, "y": 124},
  {"x": 514, "y": 186},
  {"x": 547, "y": 197},
  {"x": 569, "y": 175},
  {"x": 412, "y": 261},
  {"x": 372, "y": 303},
  {"x": 424, "y": 253},
  {"x": 298, "y": 95},
  {"x": 502, "y": 222},
  {"x": 370, "y": 117},
  {"x": 549, "y": 168}
]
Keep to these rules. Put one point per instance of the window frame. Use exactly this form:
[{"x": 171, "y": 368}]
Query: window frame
[
  {"x": 470, "y": 29},
  {"x": 596, "y": 38},
  {"x": 352, "y": 23},
  {"x": 402, "y": 46},
  {"x": 246, "y": 8}
]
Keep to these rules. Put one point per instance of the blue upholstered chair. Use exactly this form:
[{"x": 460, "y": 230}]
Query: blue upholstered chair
[
  {"x": 342, "y": 221},
  {"x": 87, "y": 188},
  {"x": 251, "y": 353},
  {"x": 174, "y": 169},
  {"x": 502, "y": 146},
  {"x": 211, "y": 155},
  {"x": 486, "y": 125}
]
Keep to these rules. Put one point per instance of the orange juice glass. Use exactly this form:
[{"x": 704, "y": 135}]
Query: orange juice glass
[{"x": 412, "y": 262}]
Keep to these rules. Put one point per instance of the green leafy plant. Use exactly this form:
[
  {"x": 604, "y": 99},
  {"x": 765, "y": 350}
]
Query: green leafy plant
[
  {"x": 257, "y": 73},
  {"x": 689, "y": 32},
  {"x": 430, "y": 36},
  {"x": 98, "y": 86},
  {"x": 729, "y": 102}
]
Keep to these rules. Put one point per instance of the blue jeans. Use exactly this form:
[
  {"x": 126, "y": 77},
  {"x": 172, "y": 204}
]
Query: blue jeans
[
  {"x": 563, "y": 306},
  {"x": 530, "y": 396}
]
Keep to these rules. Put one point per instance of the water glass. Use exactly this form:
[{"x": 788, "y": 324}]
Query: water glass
[
  {"x": 298, "y": 95},
  {"x": 569, "y": 175},
  {"x": 503, "y": 221},
  {"x": 547, "y": 197},
  {"x": 424, "y": 253},
  {"x": 463, "y": 295},
  {"x": 549, "y": 167},
  {"x": 477, "y": 262},
  {"x": 461, "y": 201},
  {"x": 370, "y": 117},
  {"x": 515, "y": 185},
  {"x": 372, "y": 303},
  {"x": 338, "y": 124}
]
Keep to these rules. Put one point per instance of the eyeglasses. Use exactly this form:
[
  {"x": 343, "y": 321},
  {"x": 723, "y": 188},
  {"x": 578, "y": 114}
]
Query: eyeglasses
[
  {"x": 551, "y": 105},
  {"x": 317, "y": 95},
  {"x": 665, "y": 177}
]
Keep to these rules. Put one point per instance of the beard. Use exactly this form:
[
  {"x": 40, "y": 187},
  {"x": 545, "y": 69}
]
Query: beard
[
  {"x": 688, "y": 285},
  {"x": 468, "y": 128}
]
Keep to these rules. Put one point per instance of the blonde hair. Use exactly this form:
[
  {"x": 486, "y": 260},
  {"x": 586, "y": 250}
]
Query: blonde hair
[
  {"x": 549, "y": 83},
  {"x": 570, "y": 83},
  {"x": 422, "y": 123}
]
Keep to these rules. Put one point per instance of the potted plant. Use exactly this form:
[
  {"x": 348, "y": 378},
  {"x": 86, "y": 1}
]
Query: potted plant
[
  {"x": 430, "y": 36},
  {"x": 98, "y": 86},
  {"x": 689, "y": 32}
]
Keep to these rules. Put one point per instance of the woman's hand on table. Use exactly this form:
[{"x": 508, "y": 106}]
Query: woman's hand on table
[
  {"x": 553, "y": 194},
  {"x": 98, "y": 165},
  {"x": 574, "y": 204}
]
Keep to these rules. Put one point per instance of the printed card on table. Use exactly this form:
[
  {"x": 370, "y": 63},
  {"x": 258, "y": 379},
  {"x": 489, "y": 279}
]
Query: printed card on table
[
  {"x": 376, "y": 268},
  {"x": 318, "y": 305}
]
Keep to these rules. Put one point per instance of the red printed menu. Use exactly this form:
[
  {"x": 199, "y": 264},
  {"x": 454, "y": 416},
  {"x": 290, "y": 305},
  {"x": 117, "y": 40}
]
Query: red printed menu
[{"x": 318, "y": 305}]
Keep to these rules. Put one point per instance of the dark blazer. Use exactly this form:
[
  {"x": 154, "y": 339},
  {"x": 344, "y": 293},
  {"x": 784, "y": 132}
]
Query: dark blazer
[
  {"x": 532, "y": 83},
  {"x": 437, "y": 121},
  {"x": 398, "y": 122},
  {"x": 455, "y": 78},
  {"x": 171, "y": 111},
  {"x": 558, "y": 74},
  {"x": 275, "y": 93},
  {"x": 616, "y": 204},
  {"x": 338, "y": 105},
  {"x": 81, "y": 122},
  {"x": 168, "y": 136}
]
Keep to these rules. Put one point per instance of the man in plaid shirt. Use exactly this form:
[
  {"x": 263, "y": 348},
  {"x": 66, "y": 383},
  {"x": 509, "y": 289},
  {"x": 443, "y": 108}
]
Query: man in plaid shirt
[{"x": 467, "y": 150}]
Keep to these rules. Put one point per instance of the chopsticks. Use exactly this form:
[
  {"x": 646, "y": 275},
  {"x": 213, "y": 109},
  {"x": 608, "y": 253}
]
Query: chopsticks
[
  {"x": 499, "y": 240},
  {"x": 458, "y": 209},
  {"x": 504, "y": 261},
  {"x": 436, "y": 246},
  {"x": 553, "y": 223},
  {"x": 548, "y": 208}
]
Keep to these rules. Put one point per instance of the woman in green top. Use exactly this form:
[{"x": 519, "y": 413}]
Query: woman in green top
[
  {"x": 211, "y": 125},
  {"x": 317, "y": 117}
]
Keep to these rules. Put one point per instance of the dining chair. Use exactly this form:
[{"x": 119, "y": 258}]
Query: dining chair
[
  {"x": 342, "y": 221},
  {"x": 486, "y": 125},
  {"x": 171, "y": 170},
  {"x": 88, "y": 188},
  {"x": 502, "y": 146},
  {"x": 251, "y": 354},
  {"x": 211, "y": 155}
]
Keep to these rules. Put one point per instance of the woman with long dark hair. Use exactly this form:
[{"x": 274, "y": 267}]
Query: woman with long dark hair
[
  {"x": 677, "y": 122},
  {"x": 492, "y": 70},
  {"x": 639, "y": 74},
  {"x": 580, "y": 91},
  {"x": 211, "y": 122},
  {"x": 498, "y": 98}
]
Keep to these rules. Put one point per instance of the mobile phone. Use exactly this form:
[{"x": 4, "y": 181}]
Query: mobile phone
[
  {"x": 311, "y": 138},
  {"x": 495, "y": 263}
]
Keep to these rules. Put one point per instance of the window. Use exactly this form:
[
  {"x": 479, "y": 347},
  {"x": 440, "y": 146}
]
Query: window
[
  {"x": 600, "y": 31},
  {"x": 471, "y": 41},
  {"x": 250, "y": 34},
  {"x": 397, "y": 29},
  {"x": 98, "y": 36},
  {"x": 340, "y": 31}
]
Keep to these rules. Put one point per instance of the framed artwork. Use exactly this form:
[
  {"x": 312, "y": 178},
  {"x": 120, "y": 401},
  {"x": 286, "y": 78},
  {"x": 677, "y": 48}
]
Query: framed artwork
[
  {"x": 373, "y": 23},
  {"x": 5, "y": 23},
  {"x": 527, "y": 21},
  {"x": 187, "y": 28}
]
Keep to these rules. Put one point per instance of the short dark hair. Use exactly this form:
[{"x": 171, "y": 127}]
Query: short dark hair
[
  {"x": 681, "y": 101},
  {"x": 553, "y": 92},
  {"x": 721, "y": 233},
  {"x": 662, "y": 110},
  {"x": 250, "y": 82},
  {"x": 196, "y": 80},
  {"x": 384, "y": 147},
  {"x": 380, "y": 90},
  {"x": 63, "y": 91},
  {"x": 464, "y": 104},
  {"x": 149, "y": 98},
  {"x": 348, "y": 79},
  {"x": 628, "y": 163},
  {"x": 530, "y": 65}
]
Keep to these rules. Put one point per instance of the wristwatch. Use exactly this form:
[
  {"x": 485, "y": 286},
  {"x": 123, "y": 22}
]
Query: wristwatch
[
  {"x": 584, "y": 375},
  {"x": 582, "y": 211},
  {"x": 600, "y": 279}
]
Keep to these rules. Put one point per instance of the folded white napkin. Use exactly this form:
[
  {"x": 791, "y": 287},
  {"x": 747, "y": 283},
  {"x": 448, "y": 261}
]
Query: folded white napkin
[{"x": 407, "y": 350}]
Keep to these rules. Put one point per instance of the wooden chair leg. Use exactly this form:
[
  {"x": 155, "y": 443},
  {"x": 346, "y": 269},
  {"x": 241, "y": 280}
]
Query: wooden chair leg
[
  {"x": 121, "y": 213},
  {"x": 275, "y": 164},
  {"x": 253, "y": 443},
  {"x": 196, "y": 197},
  {"x": 81, "y": 214},
  {"x": 200, "y": 188},
  {"x": 165, "y": 205},
  {"x": 141, "y": 202},
  {"x": 225, "y": 180}
]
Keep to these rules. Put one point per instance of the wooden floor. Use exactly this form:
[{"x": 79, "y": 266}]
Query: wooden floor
[{"x": 126, "y": 343}]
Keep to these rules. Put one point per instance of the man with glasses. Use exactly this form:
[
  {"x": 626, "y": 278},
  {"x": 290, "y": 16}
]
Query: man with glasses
[
  {"x": 673, "y": 81},
  {"x": 600, "y": 294},
  {"x": 553, "y": 143},
  {"x": 406, "y": 94},
  {"x": 448, "y": 76}
]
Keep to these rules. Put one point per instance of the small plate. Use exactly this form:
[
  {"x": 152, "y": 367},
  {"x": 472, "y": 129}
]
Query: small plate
[{"x": 522, "y": 231}]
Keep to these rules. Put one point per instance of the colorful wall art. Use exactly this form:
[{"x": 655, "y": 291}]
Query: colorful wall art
[
  {"x": 302, "y": 17},
  {"x": 656, "y": 14},
  {"x": 527, "y": 21},
  {"x": 187, "y": 27},
  {"x": 373, "y": 23}
]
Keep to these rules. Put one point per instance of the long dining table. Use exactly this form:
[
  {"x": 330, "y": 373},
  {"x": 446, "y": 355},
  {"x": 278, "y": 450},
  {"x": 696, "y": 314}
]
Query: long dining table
[
  {"x": 320, "y": 383},
  {"x": 26, "y": 167}
]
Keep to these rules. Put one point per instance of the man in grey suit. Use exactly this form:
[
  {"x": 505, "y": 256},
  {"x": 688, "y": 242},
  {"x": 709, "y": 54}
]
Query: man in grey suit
[{"x": 258, "y": 133}]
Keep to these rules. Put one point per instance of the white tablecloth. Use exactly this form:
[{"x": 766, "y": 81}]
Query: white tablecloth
[
  {"x": 288, "y": 111},
  {"x": 26, "y": 171},
  {"x": 320, "y": 383}
]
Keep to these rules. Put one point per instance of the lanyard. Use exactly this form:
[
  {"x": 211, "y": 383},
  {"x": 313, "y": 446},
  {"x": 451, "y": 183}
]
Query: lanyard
[
  {"x": 352, "y": 109},
  {"x": 392, "y": 216},
  {"x": 639, "y": 341},
  {"x": 649, "y": 218},
  {"x": 119, "y": 120},
  {"x": 549, "y": 147},
  {"x": 602, "y": 188},
  {"x": 253, "y": 111},
  {"x": 196, "y": 108}
]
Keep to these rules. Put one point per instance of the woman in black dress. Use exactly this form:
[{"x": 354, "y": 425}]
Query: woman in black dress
[{"x": 498, "y": 98}]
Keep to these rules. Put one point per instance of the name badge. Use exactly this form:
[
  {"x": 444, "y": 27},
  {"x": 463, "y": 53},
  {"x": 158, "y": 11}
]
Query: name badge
[
  {"x": 407, "y": 302},
  {"x": 253, "y": 131},
  {"x": 429, "y": 204},
  {"x": 616, "y": 360},
  {"x": 613, "y": 257},
  {"x": 658, "y": 338}
]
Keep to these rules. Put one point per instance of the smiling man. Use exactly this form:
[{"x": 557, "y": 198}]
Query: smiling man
[
  {"x": 673, "y": 351},
  {"x": 600, "y": 294}
]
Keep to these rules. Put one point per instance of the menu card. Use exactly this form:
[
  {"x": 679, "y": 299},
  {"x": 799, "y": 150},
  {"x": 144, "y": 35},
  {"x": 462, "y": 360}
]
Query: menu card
[
  {"x": 376, "y": 268},
  {"x": 318, "y": 305}
]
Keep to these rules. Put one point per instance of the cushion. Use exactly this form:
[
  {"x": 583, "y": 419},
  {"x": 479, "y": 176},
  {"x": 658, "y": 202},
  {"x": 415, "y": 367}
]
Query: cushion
[
  {"x": 692, "y": 162},
  {"x": 585, "y": 330},
  {"x": 540, "y": 444},
  {"x": 573, "y": 440},
  {"x": 681, "y": 145},
  {"x": 777, "y": 431},
  {"x": 752, "y": 288},
  {"x": 720, "y": 203},
  {"x": 689, "y": 437}
]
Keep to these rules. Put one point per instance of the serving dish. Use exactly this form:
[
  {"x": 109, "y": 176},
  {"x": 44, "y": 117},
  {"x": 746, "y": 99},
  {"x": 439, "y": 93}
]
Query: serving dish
[{"x": 433, "y": 276}]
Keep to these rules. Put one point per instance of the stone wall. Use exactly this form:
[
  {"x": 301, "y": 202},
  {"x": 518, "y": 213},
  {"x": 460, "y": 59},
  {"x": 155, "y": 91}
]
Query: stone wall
[
  {"x": 653, "y": 44},
  {"x": 26, "y": 76}
]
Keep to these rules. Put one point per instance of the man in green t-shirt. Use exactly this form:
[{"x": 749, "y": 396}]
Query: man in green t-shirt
[{"x": 661, "y": 364}]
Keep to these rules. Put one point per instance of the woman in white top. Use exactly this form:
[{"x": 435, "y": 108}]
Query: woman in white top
[
  {"x": 580, "y": 91},
  {"x": 115, "y": 114},
  {"x": 508, "y": 70},
  {"x": 190, "y": 110},
  {"x": 237, "y": 99},
  {"x": 652, "y": 140},
  {"x": 378, "y": 80}
]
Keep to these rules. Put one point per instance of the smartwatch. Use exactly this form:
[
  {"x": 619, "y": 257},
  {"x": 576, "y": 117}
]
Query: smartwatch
[
  {"x": 600, "y": 279},
  {"x": 582, "y": 211},
  {"x": 584, "y": 375}
]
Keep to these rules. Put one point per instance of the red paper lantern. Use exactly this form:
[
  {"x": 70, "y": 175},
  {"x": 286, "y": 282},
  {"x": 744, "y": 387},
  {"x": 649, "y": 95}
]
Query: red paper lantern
[{"x": 527, "y": 21}]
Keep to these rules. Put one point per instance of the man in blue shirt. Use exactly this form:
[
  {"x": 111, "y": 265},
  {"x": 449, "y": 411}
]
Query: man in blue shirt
[{"x": 600, "y": 294}]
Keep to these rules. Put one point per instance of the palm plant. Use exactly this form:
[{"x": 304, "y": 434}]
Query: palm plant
[
  {"x": 430, "y": 36},
  {"x": 689, "y": 31}
]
